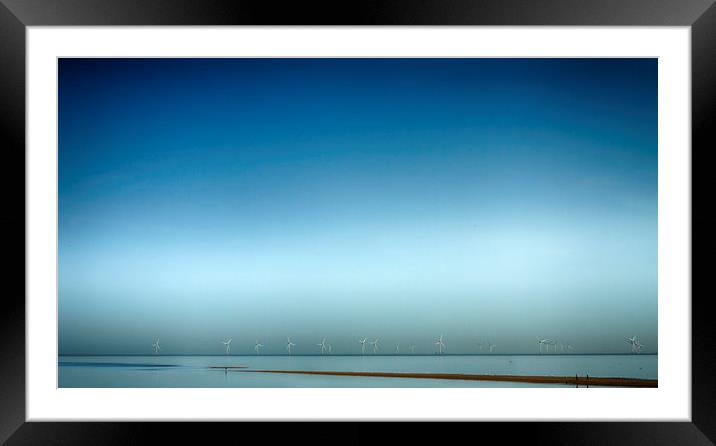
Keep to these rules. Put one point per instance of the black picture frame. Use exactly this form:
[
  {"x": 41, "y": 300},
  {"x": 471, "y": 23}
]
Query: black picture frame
[{"x": 16, "y": 15}]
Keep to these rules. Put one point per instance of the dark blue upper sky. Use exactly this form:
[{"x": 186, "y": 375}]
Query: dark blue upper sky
[{"x": 400, "y": 198}]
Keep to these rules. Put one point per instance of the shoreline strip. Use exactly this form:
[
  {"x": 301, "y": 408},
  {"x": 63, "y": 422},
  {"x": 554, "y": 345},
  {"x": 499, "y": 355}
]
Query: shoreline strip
[{"x": 532, "y": 379}]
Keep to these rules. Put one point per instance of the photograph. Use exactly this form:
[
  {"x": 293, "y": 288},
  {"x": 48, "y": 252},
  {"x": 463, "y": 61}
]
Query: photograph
[
  {"x": 468, "y": 214},
  {"x": 357, "y": 222}
]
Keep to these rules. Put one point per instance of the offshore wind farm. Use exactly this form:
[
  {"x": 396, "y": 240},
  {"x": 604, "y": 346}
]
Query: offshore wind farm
[
  {"x": 341, "y": 222},
  {"x": 358, "y": 368}
]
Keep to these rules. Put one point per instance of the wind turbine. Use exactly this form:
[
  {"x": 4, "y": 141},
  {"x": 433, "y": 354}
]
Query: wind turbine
[
  {"x": 227, "y": 343},
  {"x": 552, "y": 343},
  {"x": 375, "y": 345},
  {"x": 397, "y": 349},
  {"x": 440, "y": 345},
  {"x": 322, "y": 345},
  {"x": 155, "y": 345},
  {"x": 289, "y": 344},
  {"x": 634, "y": 343},
  {"x": 257, "y": 347},
  {"x": 491, "y": 346},
  {"x": 362, "y": 345},
  {"x": 546, "y": 342}
]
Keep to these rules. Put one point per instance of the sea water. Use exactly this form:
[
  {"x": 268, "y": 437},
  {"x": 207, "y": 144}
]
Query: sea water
[{"x": 195, "y": 371}]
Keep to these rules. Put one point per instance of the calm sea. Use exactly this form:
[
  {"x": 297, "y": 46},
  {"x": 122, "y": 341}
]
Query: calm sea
[{"x": 194, "y": 371}]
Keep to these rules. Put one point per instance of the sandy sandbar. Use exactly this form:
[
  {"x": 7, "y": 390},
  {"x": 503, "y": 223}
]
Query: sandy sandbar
[{"x": 533, "y": 379}]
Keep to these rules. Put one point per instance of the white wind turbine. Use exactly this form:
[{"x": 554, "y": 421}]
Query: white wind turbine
[
  {"x": 397, "y": 349},
  {"x": 362, "y": 345},
  {"x": 553, "y": 344},
  {"x": 227, "y": 343},
  {"x": 639, "y": 345},
  {"x": 546, "y": 342},
  {"x": 440, "y": 345},
  {"x": 634, "y": 343},
  {"x": 156, "y": 347},
  {"x": 375, "y": 345},
  {"x": 491, "y": 346},
  {"x": 289, "y": 344},
  {"x": 257, "y": 347},
  {"x": 322, "y": 345}
]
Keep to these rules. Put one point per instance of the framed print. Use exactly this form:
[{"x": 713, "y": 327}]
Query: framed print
[{"x": 475, "y": 213}]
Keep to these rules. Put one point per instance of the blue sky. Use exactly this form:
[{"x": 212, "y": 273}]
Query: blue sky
[{"x": 394, "y": 198}]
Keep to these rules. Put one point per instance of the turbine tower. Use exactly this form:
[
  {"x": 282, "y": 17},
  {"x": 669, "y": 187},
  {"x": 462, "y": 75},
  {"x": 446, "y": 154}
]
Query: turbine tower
[
  {"x": 257, "y": 347},
  {"x": 491, "y": 346},
  {"x": 156, "y": 347},
  {"x": 227, "y": 343},
  {"x": 375, "y": 345},
  {"x": 323, "y": 345},
  {"x": 546, "y": 342},
  {"x": 553, "y": 344},
  {"x": 289, "y": 344},
  {"x": 635, "y": 345},
  {"x": 362, "y": 345},
  {"x": 440, "y": 345}
]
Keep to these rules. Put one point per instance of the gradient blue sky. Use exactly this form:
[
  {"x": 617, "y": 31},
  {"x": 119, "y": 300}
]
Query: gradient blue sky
[{"x": 394, "y": 198}]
